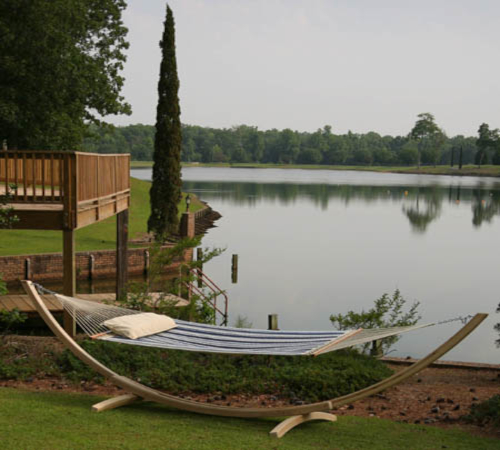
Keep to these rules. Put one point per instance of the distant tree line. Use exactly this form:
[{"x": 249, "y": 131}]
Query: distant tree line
[{"x": 247, "y": 144}]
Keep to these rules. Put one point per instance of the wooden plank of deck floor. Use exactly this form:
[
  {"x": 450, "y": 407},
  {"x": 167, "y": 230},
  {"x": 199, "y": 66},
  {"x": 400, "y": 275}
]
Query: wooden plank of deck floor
[
  {"x": 8, "y": 302},
  {"x": 23, "y": 304}
]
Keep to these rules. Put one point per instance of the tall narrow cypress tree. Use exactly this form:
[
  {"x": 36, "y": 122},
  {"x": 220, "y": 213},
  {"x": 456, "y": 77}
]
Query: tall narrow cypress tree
[{"x": 165, "y": 192}]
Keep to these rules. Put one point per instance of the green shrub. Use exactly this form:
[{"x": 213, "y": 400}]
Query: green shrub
[
  {"x": 305, "y": 378},
  {"x": 487, "y": 412},
  {"x": 18, "y": 363},
  {"x": 387, "y": 312},
  {"x": 9, "y": 319}
]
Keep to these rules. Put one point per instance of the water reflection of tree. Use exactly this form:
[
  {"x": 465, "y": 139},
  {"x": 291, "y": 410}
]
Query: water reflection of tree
[
  {"x": 420, "y": 216},
  {"x": 485, "y": 206},
  {"x": 426, "y": 208},
  {"x": 497, "y": 327}
]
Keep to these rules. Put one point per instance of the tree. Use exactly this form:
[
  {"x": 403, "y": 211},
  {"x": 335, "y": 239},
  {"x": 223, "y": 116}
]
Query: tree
[
  {"x": 429, "y": 138},
  {"x": 289, "y": 146},
  {"x": 482, "y": 143},
  {"x": 60, "y": 64},
  {"x": 165, "y": 192},
  {"x": 488, "y": 140},
  {"x": 387, "y": 312},
  {"x": 309, "y": 155}
]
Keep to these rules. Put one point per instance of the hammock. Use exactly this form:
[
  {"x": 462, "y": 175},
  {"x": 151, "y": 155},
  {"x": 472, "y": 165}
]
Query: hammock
[
  {"x": 90, "y": 317},
  {"x": 191, "y": 336}
]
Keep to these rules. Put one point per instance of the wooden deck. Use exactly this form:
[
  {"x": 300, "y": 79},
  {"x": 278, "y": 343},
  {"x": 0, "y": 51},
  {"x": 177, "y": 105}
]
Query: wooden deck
[
  {"x": 24, "y": 305},
  {"x": 64, "y": 190},
  {"x": 67, "y": 190}
]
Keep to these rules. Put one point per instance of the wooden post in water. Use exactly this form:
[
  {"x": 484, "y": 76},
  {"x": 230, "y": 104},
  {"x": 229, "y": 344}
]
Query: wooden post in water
[
  {"x": 199, "y": 271},
  {"x": 272, "y": 321},
  {"x": 234, "y": 269},
  {"x": 121, "y": 253},
  {"x": 376, "y": 350}
]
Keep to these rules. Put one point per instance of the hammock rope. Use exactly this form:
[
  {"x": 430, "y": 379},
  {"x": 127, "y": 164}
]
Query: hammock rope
[{"x": 192, "y": 336}]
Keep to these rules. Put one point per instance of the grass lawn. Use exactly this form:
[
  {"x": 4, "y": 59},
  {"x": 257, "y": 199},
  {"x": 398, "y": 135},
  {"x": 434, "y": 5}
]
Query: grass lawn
[
  {"x": 43, "y": 420},
  {"x": 471, "y": 170},
  {"x": 99, "y": 236}
]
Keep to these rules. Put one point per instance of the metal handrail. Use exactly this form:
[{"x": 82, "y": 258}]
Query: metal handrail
[
  {"x": 209, "y": 284},
  {"x": 213, "y": 287},
  {"x": 213, "y": 302}
]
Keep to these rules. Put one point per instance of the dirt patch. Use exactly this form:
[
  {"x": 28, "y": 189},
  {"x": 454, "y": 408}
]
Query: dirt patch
[{"x": 437, "y": 396}]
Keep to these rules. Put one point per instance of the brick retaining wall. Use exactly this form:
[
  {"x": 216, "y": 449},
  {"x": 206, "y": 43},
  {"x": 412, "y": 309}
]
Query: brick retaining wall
[{"x": 94, "y": 264}]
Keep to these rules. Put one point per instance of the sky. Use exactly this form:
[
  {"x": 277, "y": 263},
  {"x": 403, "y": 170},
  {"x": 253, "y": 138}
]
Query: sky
[{"x": 359, "y": 65}]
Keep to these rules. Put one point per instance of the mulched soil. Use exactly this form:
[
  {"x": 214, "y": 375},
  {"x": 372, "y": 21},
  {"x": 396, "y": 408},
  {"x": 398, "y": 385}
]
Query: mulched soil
[{"x": 437, "y": 396}]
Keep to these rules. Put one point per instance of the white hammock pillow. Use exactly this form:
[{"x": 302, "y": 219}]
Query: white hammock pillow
[{"x": 139, "y": 325}]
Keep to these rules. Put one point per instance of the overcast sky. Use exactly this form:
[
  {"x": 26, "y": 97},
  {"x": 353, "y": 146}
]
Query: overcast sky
[{"x": 359, "y": 65}]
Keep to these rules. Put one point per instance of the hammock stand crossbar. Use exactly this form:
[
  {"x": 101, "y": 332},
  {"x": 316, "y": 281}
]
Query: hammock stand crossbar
[{"x": 295, "y": 414}]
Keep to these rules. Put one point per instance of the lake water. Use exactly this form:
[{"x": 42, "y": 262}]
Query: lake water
[{"x": 312, "y": 243}]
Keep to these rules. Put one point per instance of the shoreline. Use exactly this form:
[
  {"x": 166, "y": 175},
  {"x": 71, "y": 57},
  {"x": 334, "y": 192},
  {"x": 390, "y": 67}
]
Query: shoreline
[{"x": 466, "y": 171}]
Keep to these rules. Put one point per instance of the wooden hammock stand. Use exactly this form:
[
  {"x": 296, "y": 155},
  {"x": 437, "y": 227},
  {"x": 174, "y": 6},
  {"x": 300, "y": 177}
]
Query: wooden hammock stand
[{"x": 296, "y": 414}]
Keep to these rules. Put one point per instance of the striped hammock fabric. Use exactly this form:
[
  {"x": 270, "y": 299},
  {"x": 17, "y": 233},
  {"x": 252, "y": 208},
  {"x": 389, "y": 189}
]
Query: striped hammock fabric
[{"x": 198, "y": 337}]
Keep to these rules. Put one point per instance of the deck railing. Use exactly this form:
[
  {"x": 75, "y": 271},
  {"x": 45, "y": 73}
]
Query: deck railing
[
  {"x": 32, "y": 176},
  {"x": 74, "y": 179}
]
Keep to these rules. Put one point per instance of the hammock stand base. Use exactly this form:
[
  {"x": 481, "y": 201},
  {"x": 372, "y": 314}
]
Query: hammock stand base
[
  {"x": 278, "y": 431},
  {"x": 296, "y": 414},
  {"x": 284, "y": 427},
  {"x": 115, "y": 402}
]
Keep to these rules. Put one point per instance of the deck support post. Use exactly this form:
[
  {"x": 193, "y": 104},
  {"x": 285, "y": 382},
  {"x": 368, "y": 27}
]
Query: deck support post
[
  {"x": 69, "y": 277},
  {"x": 121, "y": 253}
]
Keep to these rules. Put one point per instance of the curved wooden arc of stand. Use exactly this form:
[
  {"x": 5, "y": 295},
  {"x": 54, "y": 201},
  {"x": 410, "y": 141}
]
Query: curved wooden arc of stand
[{"x": 143, "y": 392}]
